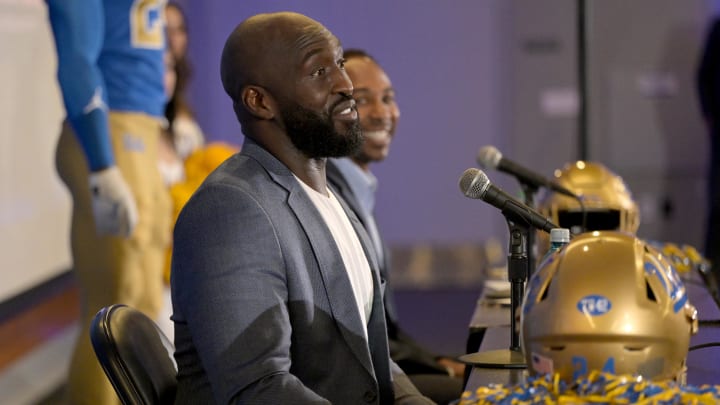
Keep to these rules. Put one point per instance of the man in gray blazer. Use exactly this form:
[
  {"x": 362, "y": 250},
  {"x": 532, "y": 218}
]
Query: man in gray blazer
[{"x": 276, "y": 294}]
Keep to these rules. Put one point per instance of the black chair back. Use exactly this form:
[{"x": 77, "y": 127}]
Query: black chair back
[{"x": 135, "y": 354}]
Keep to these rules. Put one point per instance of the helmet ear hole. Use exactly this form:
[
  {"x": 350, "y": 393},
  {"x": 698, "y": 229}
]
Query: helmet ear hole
[{"x": 650, "y": 293}]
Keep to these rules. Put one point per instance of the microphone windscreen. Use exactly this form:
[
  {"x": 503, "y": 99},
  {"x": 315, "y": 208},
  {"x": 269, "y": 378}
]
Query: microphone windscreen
[
  {"x": 474, "y": 183},
  {"x": 489, "y": 157}
]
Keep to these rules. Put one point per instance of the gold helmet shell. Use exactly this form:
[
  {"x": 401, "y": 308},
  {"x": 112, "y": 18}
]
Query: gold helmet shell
[
  {"x": 610, "y": 302},
  {"x": 606, "y": 198}
]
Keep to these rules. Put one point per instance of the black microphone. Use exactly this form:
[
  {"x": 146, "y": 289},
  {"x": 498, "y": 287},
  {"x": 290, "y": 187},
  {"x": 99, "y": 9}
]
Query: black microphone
[
  {"x": 489, "y": 157},
  {"x": 474, "y": 183}
]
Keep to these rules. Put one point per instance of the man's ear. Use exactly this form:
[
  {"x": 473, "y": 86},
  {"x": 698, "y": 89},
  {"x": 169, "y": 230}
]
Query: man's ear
[{"x": 258, "y": 102}]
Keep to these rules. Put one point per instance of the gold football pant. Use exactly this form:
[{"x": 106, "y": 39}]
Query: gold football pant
[{"x": 110, "y": 269}]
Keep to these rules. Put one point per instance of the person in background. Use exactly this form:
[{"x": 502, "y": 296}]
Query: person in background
[
  {"x": 170, "y": 163},
  {"x": 438, "y": 377},
  {"x": 182, "y": 176},
  {"x": 182, "y": 136},
  {"x": 186, "y": 134},
  {"x": 708, "y": 87},
  {"x": 172, "y": 170},
  {"x": 176, "y": 31},
  {"x": 275, "y": 289},
  {"x": 110, "y": 70}
]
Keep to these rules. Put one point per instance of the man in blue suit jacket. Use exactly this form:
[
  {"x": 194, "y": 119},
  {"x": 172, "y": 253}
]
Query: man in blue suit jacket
[
  {"x": 276, "y": 293},
  {"x": 438, "y": 377}
]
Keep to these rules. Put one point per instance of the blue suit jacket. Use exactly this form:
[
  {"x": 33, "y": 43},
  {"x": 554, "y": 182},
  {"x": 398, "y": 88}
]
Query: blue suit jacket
[
  {"x": 263, "y": 308},
  {"x": 404, "y": 350}
]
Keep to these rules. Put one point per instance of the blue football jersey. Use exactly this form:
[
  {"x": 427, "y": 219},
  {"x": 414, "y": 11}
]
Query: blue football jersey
[{"x": 110, "y": 57}]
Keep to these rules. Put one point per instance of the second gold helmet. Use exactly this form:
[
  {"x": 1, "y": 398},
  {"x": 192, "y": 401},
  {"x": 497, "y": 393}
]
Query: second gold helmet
[{"x": 608, "y": 203}]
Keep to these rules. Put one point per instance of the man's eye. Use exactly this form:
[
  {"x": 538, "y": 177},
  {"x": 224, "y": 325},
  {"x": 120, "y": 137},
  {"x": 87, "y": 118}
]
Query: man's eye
[
  {"x": 341, "y": 63},
  {"x": 319, "y": 72},
  {"x": 360, "y": 100}
]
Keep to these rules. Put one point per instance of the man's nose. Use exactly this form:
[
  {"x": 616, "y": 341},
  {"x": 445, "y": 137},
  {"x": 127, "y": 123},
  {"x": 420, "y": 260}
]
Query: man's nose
[
  {"x": 342, "y": 83},
  {"x": 380, "y": 111}
]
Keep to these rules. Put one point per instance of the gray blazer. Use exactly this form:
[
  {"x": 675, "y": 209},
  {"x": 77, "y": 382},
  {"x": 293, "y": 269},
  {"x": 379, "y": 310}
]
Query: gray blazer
[{"x": 263, "y": 309}]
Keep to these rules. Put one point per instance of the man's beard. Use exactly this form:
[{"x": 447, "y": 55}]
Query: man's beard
[{"x": 315, "y": 134}]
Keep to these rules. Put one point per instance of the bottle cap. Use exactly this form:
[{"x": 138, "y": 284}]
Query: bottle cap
[{"x": 559, "y": 235}]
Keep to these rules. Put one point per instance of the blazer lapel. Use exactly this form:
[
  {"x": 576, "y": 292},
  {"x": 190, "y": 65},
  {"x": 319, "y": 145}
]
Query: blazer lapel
[{"x": 336, "y": 283}]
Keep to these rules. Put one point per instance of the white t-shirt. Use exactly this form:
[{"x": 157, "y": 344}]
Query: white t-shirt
[{"x": 353, "y": 255}]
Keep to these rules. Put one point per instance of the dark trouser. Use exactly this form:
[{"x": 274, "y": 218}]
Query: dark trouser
[{"x": 441, "y": 388}]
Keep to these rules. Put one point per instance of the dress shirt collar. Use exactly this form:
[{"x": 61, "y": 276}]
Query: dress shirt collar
[{"x": 362, "y": 184}]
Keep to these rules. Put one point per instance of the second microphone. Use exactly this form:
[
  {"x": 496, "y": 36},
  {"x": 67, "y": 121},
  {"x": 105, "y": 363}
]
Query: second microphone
[{"x": 475, "y": 184}]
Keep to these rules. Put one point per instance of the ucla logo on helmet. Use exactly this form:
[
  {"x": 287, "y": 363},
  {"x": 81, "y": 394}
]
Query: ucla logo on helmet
[{"x": 594, "y": 305}]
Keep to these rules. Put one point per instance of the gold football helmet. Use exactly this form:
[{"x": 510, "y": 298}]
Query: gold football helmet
[
  {"x": 607, "y": 201},
  {"x": 607, "y": 301}
]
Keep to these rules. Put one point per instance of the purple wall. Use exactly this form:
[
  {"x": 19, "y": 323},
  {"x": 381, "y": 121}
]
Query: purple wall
[{"x": 445, "y": 60}]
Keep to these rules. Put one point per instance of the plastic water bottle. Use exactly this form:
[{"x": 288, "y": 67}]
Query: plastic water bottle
[{"x": 559, "y": 237}]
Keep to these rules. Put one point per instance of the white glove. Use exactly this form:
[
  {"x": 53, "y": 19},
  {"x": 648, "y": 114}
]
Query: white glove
[
  {"x": 113, "y": 203},
  {"x": 188, "y": 136}
]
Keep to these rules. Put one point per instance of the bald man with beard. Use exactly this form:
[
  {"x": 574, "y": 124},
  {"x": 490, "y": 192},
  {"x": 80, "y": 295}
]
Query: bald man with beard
[{"x": 276, "y": 293}]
